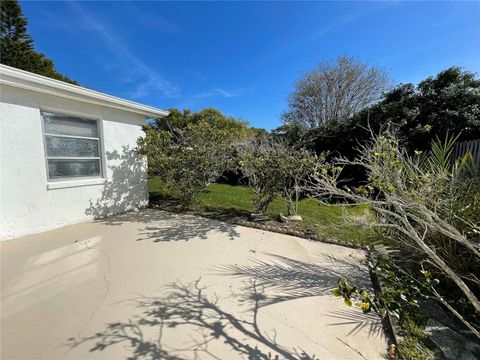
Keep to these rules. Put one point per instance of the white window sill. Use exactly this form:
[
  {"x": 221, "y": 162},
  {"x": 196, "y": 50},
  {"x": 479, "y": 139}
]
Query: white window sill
[{"x": 74, "y": 183}]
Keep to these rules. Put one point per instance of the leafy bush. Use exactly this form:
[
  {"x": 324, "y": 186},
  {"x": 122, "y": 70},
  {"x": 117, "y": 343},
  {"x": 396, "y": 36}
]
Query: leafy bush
[
  {"x": 190, "y": 157},
  {"x": 400, "y": 297},
  {"x": 274, "y": 169},
  {"x": 402, "y": 291}
]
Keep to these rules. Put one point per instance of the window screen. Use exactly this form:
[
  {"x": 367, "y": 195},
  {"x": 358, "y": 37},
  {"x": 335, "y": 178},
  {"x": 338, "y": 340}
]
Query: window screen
[{"x": 72, "y": 146}]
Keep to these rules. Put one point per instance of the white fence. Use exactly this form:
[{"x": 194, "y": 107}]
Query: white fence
[{"x": 472, "y": 146}]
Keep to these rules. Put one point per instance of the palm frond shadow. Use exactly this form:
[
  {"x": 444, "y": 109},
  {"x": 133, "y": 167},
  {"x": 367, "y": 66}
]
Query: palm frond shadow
[
  {"x": 355, "y": 317},
  {"x": 186, "y": 309},
  {"x": 289, "y": 279}
]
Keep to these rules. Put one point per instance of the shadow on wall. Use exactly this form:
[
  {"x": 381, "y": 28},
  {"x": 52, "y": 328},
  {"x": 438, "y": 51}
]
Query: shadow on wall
[
  {"x": 126, "y": 190},
  {"x": 187, "y": 323},
  {"x": 126, "y": 185}
]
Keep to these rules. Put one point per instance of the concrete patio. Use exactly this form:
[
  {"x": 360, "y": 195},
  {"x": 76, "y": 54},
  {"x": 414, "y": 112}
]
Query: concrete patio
[{"x": 155, "y": 285}]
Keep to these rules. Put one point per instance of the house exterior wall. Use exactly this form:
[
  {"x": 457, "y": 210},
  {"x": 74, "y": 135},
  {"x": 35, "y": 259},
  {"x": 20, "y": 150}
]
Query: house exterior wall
[{"x": 29, "y": 203}]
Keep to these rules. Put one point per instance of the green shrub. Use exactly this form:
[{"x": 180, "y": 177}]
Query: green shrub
[
  {"x": 274, "y": 169},
  {"x": 187, "y": 159}
]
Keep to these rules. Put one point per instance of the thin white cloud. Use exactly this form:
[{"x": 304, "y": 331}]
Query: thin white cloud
[
  {"x": 146, "y": 80},
  {"x": 218, "y": 92}
]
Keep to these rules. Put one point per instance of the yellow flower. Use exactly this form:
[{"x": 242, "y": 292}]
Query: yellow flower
[
  {"x": 425, "y": 273},
  {"x": 365, "y": 306}
]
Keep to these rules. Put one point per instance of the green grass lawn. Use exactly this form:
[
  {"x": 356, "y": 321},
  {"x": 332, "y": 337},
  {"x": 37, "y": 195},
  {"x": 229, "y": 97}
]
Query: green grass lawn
[{"x": 326, "y": 221}]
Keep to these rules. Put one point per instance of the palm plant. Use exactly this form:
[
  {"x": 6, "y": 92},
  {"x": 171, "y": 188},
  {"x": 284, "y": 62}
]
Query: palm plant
[{"x": 420, "y": 204}]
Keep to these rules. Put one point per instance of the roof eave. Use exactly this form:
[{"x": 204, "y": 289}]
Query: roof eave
[{"x": 26, "y": 80}]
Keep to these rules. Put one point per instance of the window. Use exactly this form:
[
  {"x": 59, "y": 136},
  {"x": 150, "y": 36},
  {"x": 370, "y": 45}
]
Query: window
[{"x": 72, "y": 147}]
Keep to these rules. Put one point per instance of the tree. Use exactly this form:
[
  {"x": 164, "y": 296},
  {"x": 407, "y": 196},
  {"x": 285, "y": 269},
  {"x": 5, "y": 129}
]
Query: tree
[
  {"x": 213, "y": 117},
  {"x": 448, "y": 103},
  {"x": 235, "y": 128},
  {"x": 273, "y": 169},
  {"x": 16, "y": 45},
  {"x": 187, "y": 160},
  {"x": 334, "y": 92},
  {"x": 189, "y": 150}
]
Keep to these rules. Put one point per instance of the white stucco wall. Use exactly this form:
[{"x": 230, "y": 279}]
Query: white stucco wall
[{"x": 27, "y": 205}]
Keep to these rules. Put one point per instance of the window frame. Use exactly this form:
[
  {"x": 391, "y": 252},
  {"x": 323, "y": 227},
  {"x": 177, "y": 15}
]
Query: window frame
[{"x": 100, "y": 139}]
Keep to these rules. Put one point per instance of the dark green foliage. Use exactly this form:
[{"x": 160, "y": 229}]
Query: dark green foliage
[
  {"x": 16, "y": 45},
  {"x": 448, "y": 103},
  {"x": 291, "y": 134},
  {"x": 213, "y": 117},
  {"x": 14, "y": 24}
]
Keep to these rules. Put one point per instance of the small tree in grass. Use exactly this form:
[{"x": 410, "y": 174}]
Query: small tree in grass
[
  {"x": 274, "y": 169},
  {"x": 421, "y": 203},
  {"x": 187, "y": 159}
]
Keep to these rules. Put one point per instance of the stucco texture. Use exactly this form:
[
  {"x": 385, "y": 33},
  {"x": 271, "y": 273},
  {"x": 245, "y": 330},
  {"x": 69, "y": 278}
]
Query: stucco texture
[
  {"x": 27, "y": 206},
  {"x": 160, "y": 286}
]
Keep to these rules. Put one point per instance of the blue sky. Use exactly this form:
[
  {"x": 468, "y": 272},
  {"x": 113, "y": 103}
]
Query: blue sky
[{"x": 243, "y": 58}]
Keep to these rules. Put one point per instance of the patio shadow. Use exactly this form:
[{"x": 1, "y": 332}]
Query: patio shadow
[
  {"x": 197, "y": 323},
  {"x": 173, "y": 227},
  {"x": 126, "y": 190},
  {"x": 289, "y": 279},
  {"x": 187, "y": 308},
  {"x": 160, "y": 226}
]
